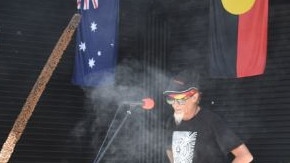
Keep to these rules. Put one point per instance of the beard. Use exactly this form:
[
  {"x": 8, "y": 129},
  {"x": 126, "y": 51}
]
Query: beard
[{"x": 178, "y": 118}]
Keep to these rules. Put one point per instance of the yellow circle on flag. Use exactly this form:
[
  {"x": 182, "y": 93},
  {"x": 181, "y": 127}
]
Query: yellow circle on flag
[{"x": 238, "y": 7}]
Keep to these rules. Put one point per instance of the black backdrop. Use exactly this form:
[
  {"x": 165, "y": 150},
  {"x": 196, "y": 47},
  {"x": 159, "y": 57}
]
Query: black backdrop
[{"x": 159, "y": 34}]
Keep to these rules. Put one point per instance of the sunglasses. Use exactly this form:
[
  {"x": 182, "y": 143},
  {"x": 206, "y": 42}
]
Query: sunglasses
[{"x": 182, "y": 101}]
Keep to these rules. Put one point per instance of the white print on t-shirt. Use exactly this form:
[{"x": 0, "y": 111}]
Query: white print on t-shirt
[{"x": 183, "y": 143}]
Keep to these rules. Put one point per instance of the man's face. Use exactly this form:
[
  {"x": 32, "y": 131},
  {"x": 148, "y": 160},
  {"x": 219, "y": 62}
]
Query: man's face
[{"x": 183, "y": 104}]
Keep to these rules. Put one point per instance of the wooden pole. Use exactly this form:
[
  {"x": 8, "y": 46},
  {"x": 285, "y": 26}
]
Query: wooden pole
[{"x": 38, "y": 88}]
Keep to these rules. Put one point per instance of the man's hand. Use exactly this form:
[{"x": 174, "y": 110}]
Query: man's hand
[
  {"x": 242, "y": 154},
  {"x": 169, "y": 155}
]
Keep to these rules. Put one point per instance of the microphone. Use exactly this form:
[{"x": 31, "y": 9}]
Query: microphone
[{"x": 146, "y": 103}]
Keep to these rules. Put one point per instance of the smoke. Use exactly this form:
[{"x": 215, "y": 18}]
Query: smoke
[{"x": 141, "y": 133}]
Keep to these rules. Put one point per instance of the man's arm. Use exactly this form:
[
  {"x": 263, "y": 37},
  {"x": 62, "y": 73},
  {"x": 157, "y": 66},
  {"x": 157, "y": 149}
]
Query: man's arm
[
  {"x": 242, "y": 154},
  {"x": 169, "y": 155}
]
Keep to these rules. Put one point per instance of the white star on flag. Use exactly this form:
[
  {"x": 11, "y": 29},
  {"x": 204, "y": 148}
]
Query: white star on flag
[
  {"x": 82, "y": 46},
  {"x": 91, "y": 62},
  {"x": 99, "y": 53},
  {"x": 93, "y": 26}
]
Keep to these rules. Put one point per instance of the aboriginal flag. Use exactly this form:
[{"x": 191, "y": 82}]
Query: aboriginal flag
[{"x": 238, "y": 39}]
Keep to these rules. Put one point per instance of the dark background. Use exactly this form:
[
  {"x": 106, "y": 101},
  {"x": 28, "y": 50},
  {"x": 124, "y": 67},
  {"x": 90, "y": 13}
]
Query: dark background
[{"x": 157, "y": 38}]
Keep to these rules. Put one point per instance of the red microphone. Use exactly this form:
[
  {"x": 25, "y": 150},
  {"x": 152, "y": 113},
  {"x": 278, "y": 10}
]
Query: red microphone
[{"x": 147, "y": 103}]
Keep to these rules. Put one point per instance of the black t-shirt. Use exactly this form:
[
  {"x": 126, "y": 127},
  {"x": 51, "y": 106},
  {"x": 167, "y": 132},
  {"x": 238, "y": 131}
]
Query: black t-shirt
[{"x": 203, "y": 139}]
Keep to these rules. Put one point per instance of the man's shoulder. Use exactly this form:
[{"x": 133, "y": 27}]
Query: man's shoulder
[{"x": 209, "y": 115}]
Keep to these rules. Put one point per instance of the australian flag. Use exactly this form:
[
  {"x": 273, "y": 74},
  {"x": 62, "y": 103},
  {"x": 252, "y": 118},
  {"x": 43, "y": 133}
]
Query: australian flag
[{"x": 96, "y": 42}]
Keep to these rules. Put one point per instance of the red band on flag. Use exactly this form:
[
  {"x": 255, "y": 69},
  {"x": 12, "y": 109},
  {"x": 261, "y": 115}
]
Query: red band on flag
[{"x": 252, "y": 40}]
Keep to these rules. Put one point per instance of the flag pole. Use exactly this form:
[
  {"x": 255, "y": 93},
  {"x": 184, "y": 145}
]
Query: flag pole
[{"x": 38, "y": 88}]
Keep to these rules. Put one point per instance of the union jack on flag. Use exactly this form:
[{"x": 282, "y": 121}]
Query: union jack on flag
[
  {"x": 86, "y": 4},
  {"x": 96, "y": 42}
]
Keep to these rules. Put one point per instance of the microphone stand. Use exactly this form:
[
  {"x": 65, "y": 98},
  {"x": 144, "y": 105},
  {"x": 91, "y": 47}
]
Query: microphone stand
[{"x": 99, "y": 157}]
